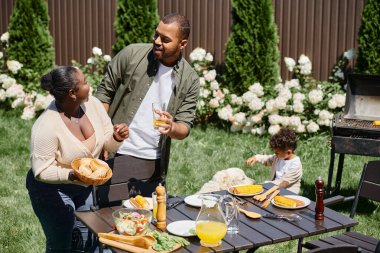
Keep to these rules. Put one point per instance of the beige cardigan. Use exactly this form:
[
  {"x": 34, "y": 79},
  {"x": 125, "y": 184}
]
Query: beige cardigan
[
  {"x": 293, "y": 176},
  {"x": 53, "y": 146}
]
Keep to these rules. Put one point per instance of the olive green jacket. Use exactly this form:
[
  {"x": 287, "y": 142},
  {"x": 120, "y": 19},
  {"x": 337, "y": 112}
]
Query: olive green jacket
[{"x": 127, "y": 80}]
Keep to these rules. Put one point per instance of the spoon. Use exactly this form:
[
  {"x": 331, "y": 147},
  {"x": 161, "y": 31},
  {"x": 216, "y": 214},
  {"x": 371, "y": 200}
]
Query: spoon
[
  {"x": 249, "y": 214},
  {"x": 143, "y": 241}
]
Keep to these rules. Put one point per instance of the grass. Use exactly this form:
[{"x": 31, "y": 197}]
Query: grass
[{"x": 193, "y": 162}]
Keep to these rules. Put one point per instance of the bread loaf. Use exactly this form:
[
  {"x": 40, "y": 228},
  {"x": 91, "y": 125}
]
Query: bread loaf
[{"x": 85, "y": 170}]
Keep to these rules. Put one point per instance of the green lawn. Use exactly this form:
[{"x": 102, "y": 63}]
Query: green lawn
[{"x": 193, "y": 162}]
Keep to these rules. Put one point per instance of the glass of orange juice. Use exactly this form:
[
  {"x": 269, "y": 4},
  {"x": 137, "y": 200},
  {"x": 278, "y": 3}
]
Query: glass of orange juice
[
  {"x": 157, "y": 108},
  {"x": 211, "y": 233},
  {"x": 155, "y": 205}
]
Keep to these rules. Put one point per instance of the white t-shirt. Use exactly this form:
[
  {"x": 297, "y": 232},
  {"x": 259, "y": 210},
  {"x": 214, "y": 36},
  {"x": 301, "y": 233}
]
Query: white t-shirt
[
  {"x": 143, "y": 138},
  {"x": 284, "y": 166}
]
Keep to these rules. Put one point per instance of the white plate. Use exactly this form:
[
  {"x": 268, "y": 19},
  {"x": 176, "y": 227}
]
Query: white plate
[
  {"x": 242, "y": 195},
  {"x": 305, "y": 200},
  {"x": 182, "y": 228},
  {"x": 193, "y": 200},
  {"x": 128, "y": 204}
]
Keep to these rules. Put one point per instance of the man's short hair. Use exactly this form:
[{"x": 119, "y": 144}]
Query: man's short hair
[{"x": 182, "y": 22}]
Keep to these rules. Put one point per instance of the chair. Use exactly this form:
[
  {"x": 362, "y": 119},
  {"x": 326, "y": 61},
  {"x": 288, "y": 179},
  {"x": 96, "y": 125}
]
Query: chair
[
  {"x": 369, "y": 187},
  {"x": 129, "y": 179},
  {"x": 344, "y": 248}
]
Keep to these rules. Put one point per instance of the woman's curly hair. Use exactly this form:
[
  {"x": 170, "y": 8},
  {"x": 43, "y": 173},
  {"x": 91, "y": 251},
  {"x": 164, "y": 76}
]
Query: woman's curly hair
[{"x": 284, "y": 139}]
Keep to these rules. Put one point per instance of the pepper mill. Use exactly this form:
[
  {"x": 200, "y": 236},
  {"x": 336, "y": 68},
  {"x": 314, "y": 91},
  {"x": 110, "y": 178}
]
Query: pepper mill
[
  {"x": 161, "y": 207},
  {"x": 319, "y": 207}
]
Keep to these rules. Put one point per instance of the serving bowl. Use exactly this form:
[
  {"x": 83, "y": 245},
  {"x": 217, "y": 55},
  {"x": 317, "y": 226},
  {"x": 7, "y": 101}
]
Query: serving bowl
[{"x": 132, "y": 221}]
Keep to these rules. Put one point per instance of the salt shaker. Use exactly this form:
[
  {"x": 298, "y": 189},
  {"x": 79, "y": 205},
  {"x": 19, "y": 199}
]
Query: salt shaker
[
  {"x": 161, "y": 207},
  {"x": 319, "y": 207}
]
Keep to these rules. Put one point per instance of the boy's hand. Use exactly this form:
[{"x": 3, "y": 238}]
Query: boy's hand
[{"x": 250, "y": 161}]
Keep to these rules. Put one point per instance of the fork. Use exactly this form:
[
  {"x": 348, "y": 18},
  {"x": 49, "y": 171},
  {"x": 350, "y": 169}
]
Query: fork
[
  {"x": 240, "y": 201},
  {"x": 292, "y": 217},
  {"x": 264, "y": 195},
  {"x": 267, "y": 202}
]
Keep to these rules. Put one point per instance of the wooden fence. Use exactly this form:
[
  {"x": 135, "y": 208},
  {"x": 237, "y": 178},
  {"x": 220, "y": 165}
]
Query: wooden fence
[{"x": 320, "y": 29}]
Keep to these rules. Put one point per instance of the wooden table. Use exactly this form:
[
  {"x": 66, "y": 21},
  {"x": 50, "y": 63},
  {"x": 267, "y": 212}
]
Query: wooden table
[{"x": 252, "y": 233}]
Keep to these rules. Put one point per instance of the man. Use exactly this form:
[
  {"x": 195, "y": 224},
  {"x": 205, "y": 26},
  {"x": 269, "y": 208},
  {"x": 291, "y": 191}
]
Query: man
[{"x": 141, "y": 74}]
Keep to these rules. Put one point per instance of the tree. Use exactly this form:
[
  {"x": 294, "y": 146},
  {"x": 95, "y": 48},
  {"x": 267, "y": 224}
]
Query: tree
[
  {"x": 30, "y": 42},
  {"x": 135, "y": 22},
  {"x": 252, "y": 53},
  {"x": 368, "y": 60}
]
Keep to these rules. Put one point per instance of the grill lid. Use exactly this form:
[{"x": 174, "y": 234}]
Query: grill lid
[{"x": 363, "y": 97}]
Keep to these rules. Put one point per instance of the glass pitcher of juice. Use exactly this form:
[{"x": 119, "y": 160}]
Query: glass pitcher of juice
[{"x": 211, "y": 222}]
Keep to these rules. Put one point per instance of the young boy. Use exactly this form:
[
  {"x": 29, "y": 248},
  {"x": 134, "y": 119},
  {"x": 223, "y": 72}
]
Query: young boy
[{"x": 286, "y": 166}]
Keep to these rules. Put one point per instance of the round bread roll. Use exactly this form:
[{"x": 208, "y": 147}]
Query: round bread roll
[
  {"x": 85, "y": 161},
  {"x": 98, "y": 164},
  {"x": 99, "y": 173},
  {"x": 85, "y": 170}
]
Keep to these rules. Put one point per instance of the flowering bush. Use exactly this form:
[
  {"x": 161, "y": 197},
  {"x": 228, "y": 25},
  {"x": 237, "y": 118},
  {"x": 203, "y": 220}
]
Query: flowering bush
[
  {"x": 95, "y": 68},
  {"x": 303, "y": 104}
]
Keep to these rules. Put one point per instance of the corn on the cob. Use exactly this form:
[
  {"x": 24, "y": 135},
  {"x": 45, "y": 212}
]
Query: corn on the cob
[
  {"x": 376, "y": 123},
  {"x": 288, "y": 202},
  {"x": 139, "y": 202},
  {"x": 247, "y": 189}
]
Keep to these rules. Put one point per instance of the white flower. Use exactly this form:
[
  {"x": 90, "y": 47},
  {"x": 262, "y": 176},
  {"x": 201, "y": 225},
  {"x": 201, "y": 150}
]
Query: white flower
[
  {"x": 218, "y": 94},
  {"x": 294, "y": 83},
  {"x": 202, "y": 81},
  {"x": 198, "y": 54},
  {"x": 315, "y": 96},
  {"x": 226, "y": 91},
  {"x": 204, "y": 92},
  {"x": 274, "y": 119},
  {"x": 214, "y": 103},
  {"x": 1, "y": 55},
  {"x": 294, "y": 121},
  {"x": 256, "y": 104},
  {"x": 300, "y": 129},
  {"x": 200, "y": 104},
  {"x": 303, "y": 60},
  {"x": 225, "y": 113},
  {"x": 90, "y": 60},
  {"x": 285, "y": 93},
  {"x": 325, "y": 122},
  {"x": 285, "y": 120},
  {"x": 41, "y": 102},
  {"x": 8, "y": 82},
  {"x": 107, "y": 58},
  {"x": 214, "y": 85},
  {"x": 236, "y": 127},
  {"x": 278, "y": 87},
  {"x": 209, "y": 57},
  {"x": 337, "y": 100},
  {"x": 4, "y": 37},
  {"x": 3, "y": 96},
  {"x": 305, "y": 69},
  {"x": 249, "y": 96},
  {"x": 236, "y": 100},
  {"x": 280, "y": 103},
  {"x": 247, "y": 129},
  {"x": 28, "y": 100},
  {"x": 198, "y": 67},
  {"x": 257, "y": 118},
  {"x": 257, "y": 89},
  {"x": 339, "y": 73},
  {"x": 298, "y": 107},
  {"x": 349, "y": 54},
  {"x": 14, "y": 66},
  {"x": 290, "y": 63},
  {"x": 15, "y": 91},
  {"x": 3, "y": 77},
  {"x": 269, "y": 105},
  {"x": 324, "y": 114},
  {"x": 312, "y": 127},
  {"x": 298, "y": 96},
  {"x": 18, "y": 102},
  {"x": 209, "y": 75},
  {"x": 96, "y": 51},
  {"x": 28, "y": 113},
  {"x": 259, "y": 130},
  {"x": 240, "y": 118},
  {"x": 274, "y": 129}
]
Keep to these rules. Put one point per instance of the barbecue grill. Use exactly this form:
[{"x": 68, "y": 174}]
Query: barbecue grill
[{"x": 352, "y": 130}]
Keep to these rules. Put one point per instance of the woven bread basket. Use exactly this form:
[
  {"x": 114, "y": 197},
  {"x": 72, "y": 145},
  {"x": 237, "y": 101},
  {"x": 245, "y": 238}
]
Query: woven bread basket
[{"x": 89, "y": 180}]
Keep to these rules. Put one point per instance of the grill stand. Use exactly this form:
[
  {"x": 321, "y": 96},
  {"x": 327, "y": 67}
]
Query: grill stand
[{"x": 348, "y": 145}]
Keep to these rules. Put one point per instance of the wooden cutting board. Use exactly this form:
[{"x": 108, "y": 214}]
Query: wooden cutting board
[{"x": 134, "y": 249}]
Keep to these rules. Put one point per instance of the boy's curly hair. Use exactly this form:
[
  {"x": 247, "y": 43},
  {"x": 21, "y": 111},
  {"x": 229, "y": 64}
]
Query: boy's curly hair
[{"x": 284, "y": 139}]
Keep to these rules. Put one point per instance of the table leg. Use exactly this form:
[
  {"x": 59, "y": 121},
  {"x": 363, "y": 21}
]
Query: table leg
[
  {"x": 299, "y": 246},
  {"x": 331, "y": 171}
]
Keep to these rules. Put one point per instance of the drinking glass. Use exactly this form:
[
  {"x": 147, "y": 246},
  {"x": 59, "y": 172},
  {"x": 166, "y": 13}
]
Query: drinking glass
[
  {"x": 155, "y": 205},
  {"x": 157, "y": 107}
]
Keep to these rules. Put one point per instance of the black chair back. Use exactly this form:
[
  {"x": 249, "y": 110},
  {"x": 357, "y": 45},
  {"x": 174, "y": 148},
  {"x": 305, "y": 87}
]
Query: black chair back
[{"x": 343, "y": 248}]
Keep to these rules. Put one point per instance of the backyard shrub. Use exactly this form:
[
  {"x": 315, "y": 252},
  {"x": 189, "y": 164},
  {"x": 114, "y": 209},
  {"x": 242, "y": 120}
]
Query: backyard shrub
[
  {"x": 368, "y": 60},
  {"x": 30, "y": 42},
  {"x": 135, "y": 22},
  {"x": 252, "y": 53}
]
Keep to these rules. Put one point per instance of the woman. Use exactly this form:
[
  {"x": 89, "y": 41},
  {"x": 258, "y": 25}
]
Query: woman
[{"x": 74, "y": 125}]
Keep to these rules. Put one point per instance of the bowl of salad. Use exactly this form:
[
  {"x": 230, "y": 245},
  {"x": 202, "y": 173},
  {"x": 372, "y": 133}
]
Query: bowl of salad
[{"x": 132, "y": 221}]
